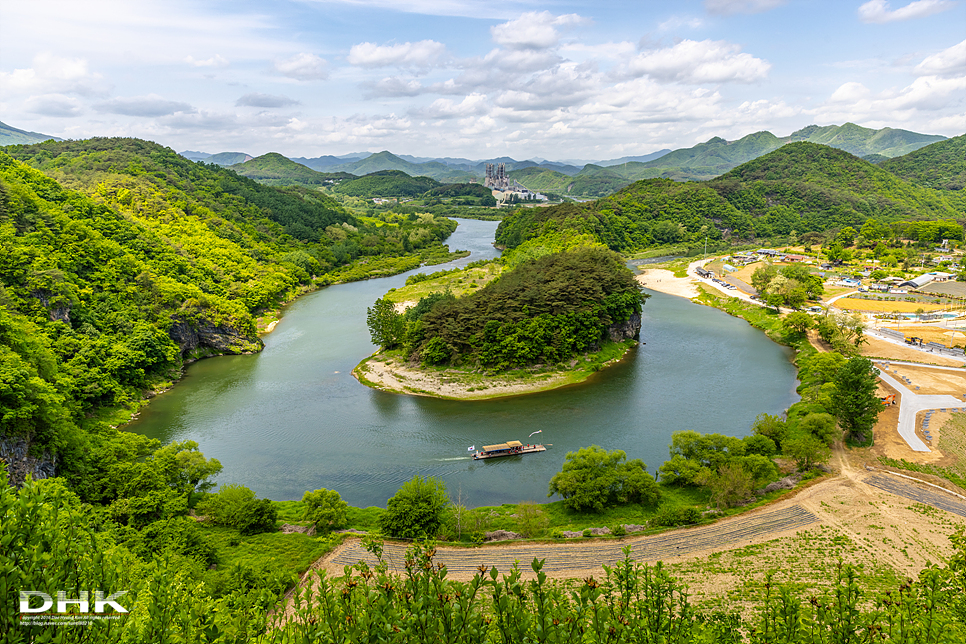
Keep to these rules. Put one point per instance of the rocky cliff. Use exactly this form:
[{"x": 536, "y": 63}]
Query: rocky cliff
[
  {"x": 200, "y": 339},
  {"x": 14, "y": 452},
  {"x": 629, "y": 329}
]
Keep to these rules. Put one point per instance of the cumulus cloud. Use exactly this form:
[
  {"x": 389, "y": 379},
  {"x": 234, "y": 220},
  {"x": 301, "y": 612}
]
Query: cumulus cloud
[
  {"x": 53, "y": 105},
  {"x": 392, "y": 86},
  {"x": 425, "y": 53},
  {"x": 445, "y": 108},
  {"x": 948, "y": 62},
  {"x": 303, "y": 67},
  {"x": 199, "y": 120},
  {"x": 52, "y": 74},
  {"x": 533, "y": 30},
  {"x": 215, "y": 61},
  {"x": 150, "y": 105},
  {"x": 264, "y": 100},
  {"x": 878, "y": 12},
  {"x": 706, "y": 61},
  {"x": 730, "y": 7}
]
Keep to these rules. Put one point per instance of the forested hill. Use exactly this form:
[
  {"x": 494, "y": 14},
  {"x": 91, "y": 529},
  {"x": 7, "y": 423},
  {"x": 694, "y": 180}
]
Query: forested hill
[
  {"x": 273, "y": 169},
  {"x": 799, "y": 187},
  {"x": 387, "y": 183},
  {"x": 135, "y": 260},
  {"x": 542, "y": 311},
  {"x": 941, "y": 165}
]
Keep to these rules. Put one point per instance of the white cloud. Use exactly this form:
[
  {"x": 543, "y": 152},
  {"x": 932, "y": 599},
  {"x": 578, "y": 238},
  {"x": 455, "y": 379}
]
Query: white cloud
[
  {"x": 303, "y": 67},
  {"x": 729, "y": 7},
  {"x": 52, "y": 74},
  {"x": 215, "y": 61},
  {"x": 200, "y": 120},
  {"x": 878, "y": 12},
  {"x": 150, "y": 105},
  {"x": 393, "y": 86},
  {"x": 705, "y": 61},
  {"x": 53, "y": 105},
  {"x": 850, "y": 92},
  {"x": 264, "y": 100},
  {"x": 948, "y": 62},
  {"x": 533, "y": 30},
  {"x": 425, "y": 53},
  {"x": 444, "y": 108}
]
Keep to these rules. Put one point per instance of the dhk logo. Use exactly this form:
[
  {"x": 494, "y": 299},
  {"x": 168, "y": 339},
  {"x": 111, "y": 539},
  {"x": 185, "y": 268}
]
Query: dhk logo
[{"x": 100, "y": 601}]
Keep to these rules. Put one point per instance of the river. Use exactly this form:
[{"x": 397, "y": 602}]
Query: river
[{"x": 293, "y": 418}]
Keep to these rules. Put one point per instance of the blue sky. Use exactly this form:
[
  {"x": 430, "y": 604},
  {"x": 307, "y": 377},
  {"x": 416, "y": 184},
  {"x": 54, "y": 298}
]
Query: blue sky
[{"x": 477, "y": 79}]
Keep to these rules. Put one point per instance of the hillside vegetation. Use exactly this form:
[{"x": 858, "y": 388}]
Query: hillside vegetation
[
  {"x": 546, "y": 311},
  {"x": 801, "y": 187},
  {"x": 273, "y": 169},
  {"x": 386, "y": 183},
  {"x": 941, "y": 165}
]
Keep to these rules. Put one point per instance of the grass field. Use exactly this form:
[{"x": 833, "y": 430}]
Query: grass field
[{"x": 459, "y": 283}]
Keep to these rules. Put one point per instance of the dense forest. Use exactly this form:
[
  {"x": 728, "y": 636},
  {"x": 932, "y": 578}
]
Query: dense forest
[
  {"x": 941, "y": 165},
  {"x": 543, "y": 311},
  {"x": 799, "y": 188}
]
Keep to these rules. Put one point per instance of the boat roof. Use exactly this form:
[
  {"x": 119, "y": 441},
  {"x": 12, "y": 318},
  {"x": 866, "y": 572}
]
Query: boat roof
[{"x": 499, "y": 446}]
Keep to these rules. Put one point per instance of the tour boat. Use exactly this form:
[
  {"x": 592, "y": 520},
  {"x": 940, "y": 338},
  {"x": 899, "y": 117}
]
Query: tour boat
[{"x": 509, "y": 448}]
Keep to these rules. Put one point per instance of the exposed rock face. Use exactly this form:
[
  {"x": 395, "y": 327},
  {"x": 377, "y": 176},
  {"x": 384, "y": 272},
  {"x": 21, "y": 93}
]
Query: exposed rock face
[
  {"x": 629, "y": 329},
  {"x": 14, "y": 453},
  {"x": 501, "y": 535},
  {"x": 60, "y": 310},
  {"x": 200, "y": 338}
]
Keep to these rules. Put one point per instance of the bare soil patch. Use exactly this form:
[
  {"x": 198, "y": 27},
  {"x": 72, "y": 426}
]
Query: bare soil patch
[
  {"x": 664, "y": 281},
  {"x": 876, "y": 348}
]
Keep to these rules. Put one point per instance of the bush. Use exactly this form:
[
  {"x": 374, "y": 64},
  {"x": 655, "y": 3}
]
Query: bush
[
  {"x": 593, "y": 479},
  {"x": 531, "y": 519},
  {"x": 618, "y": 530},
  {"x": 235, "y": 506},
  {"x": 257, "y": 516},
  {"x": 670, "y": 517},
  {"x": 416, "y": 510},
  {"x": 587, "y": 532},
  {"x": 325, "y": 508}
]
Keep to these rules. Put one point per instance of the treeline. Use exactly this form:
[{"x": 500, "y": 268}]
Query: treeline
[
  {"x": 151, "y": 260},
  {"x": 797, "y": 189},
  {"x": 546, "y": 310}
]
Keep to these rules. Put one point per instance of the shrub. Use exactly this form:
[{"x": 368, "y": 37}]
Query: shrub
[
  {"x": 587, "y": 532},
  {"x": 235, "y": 506},
  {"x": 670, "y": 517},
  {"x": 325, "y": 508},
  {"x": 416, "y": 510},
  {"x": 618, "y": 530},
  {"x": 531, "y": 519},
  {"x": 257, "y": 516}
]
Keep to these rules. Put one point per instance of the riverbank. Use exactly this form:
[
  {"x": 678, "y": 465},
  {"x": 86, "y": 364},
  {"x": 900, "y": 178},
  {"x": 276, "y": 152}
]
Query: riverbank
[
  {"x": 389, "y": 371},
  {"x": 664, "y": 281}
]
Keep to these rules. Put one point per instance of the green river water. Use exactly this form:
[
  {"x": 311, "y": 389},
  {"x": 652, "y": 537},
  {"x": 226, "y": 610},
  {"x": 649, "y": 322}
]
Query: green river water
[{"x": 293, "y": 418}]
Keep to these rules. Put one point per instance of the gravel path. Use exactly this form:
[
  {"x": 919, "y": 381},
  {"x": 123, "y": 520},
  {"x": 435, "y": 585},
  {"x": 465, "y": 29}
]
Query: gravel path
[{"x": 564, "y": 558}]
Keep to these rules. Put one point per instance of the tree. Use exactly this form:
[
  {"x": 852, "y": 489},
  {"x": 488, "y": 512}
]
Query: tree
[
  {"x": 771, "y": 426},
  {"x": 593, "y": 479},
  {"x": 416, "y": 510},
  {"x": 855, "y": 403},
  {"x": 730, "y": 485},
  {"x": 325, "y": 508},
  {"x": 807, "y": 451},
  {"x": 763, "y": 276},
  {"x": 386, "y": 325},
  {"x": 798, "y": 322},
  {"x": 186, "y": 467},
  {"x": 821, "y": 426}
]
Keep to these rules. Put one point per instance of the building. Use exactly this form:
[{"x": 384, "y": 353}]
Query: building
[{"x": 496, "y": 177}]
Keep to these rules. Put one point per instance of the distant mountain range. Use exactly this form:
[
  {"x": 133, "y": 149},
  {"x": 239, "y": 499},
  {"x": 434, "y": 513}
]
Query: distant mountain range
[
  {"x": 13, "y": 136},
  {"x": 701, "y": 162}
]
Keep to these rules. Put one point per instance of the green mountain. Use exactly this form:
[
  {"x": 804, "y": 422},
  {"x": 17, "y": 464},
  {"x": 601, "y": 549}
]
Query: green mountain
[
  {"x": 862, "y": 141},
  {"x": 800, "y": 187},
  {"x": 273, "y": 169},
  {"x": 13, "y": 136},
  {"x": 228, "y": 158},
  {"x": 941, "y": 165},
  {"x": 386, "y": 183},
  {"x": 388, "y": 161},
  {"x": 716, "y": 156},
  {"x": 591, "y": 181}
]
